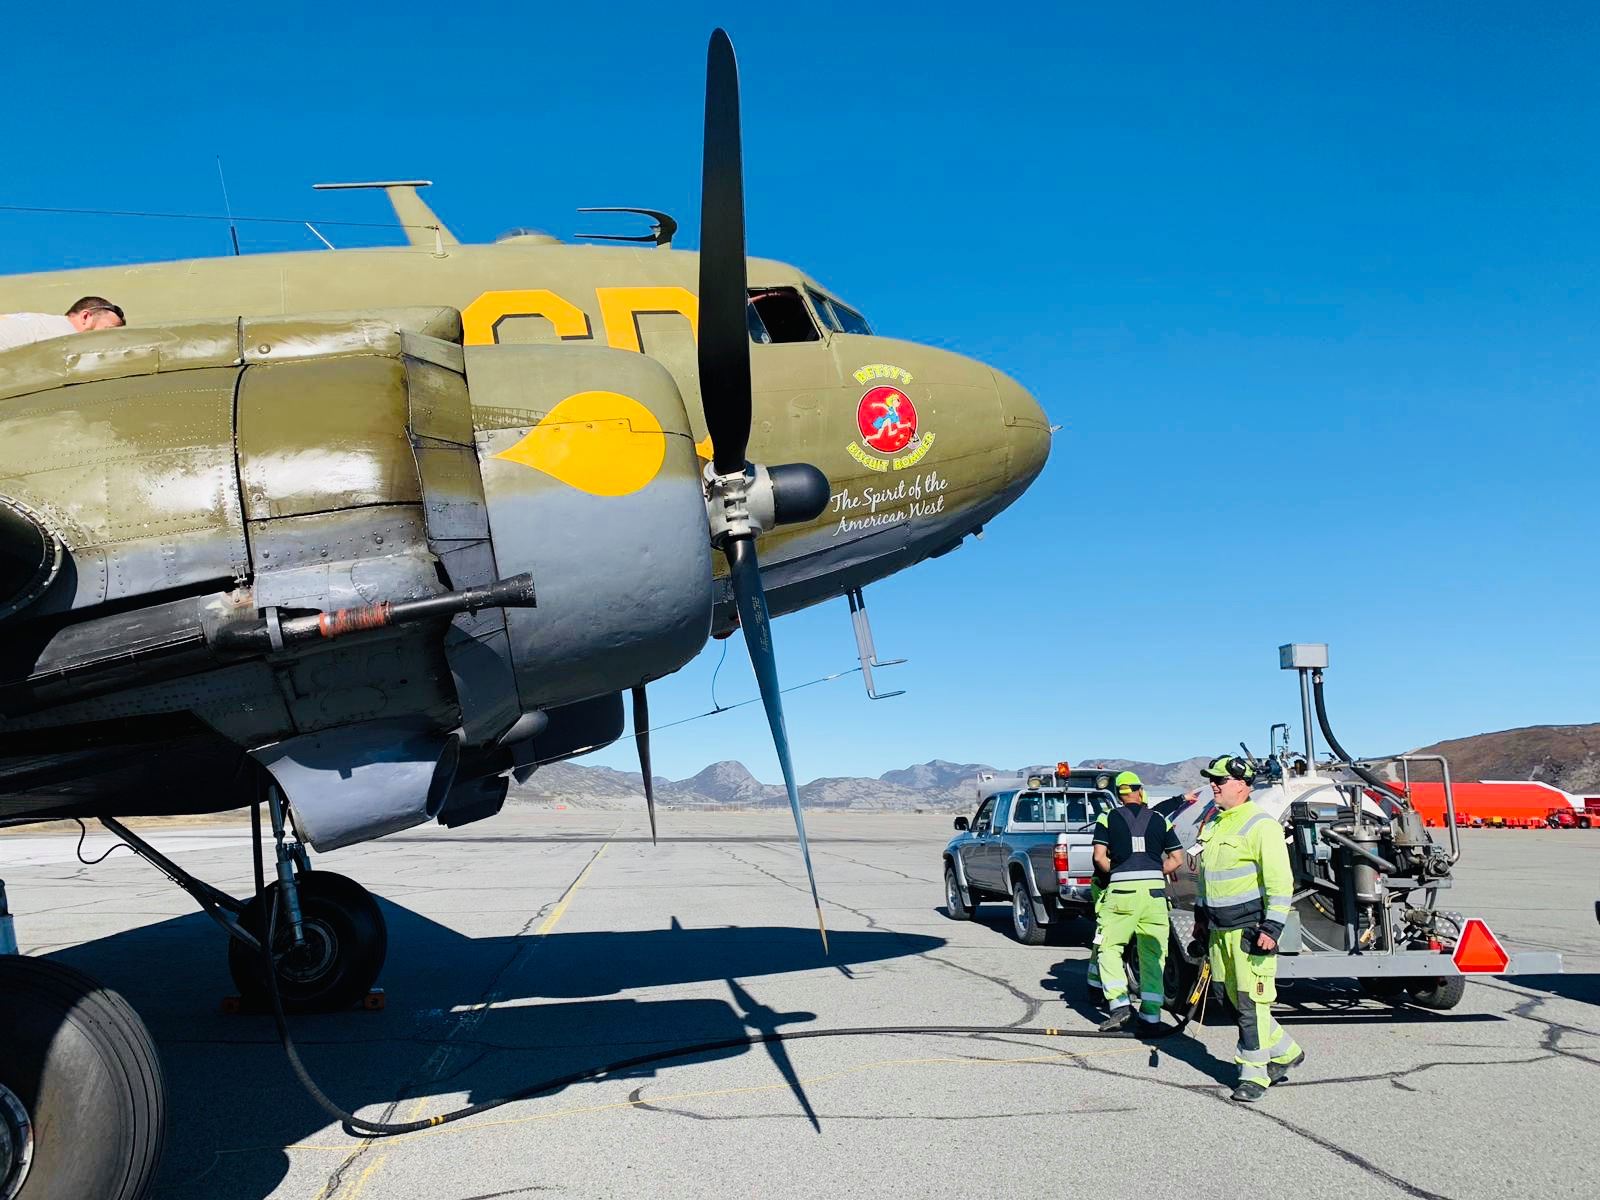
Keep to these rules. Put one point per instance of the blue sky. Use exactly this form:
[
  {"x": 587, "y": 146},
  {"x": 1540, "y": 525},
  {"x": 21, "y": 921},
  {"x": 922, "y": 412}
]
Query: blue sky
[{"x": 1312, "y": 290}]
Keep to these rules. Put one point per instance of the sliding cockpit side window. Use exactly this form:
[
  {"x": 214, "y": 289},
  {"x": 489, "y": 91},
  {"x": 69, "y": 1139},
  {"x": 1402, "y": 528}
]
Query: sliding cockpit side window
[
  {"x": 780, "y": 315},
  {"x": 837, "y": 315}
]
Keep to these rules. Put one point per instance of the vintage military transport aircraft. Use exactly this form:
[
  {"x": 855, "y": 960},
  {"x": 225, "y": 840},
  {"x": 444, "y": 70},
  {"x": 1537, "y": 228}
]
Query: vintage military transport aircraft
[{"x": 352, "y": 536}]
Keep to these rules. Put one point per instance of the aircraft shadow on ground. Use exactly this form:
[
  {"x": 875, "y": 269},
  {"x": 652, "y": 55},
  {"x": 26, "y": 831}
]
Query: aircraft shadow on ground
[{"x": 234, "y": 1106}]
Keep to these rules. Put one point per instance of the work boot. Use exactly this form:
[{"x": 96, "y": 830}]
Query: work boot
[
  {"x": 1117, "y": 1019},
  {"x": 1278, "y": 1072},
  {"x": 1248, "y": 1091}
]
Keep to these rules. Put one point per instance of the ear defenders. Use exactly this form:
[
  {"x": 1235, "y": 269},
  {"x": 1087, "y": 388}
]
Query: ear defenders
[{"x": 1230, "y": 765}]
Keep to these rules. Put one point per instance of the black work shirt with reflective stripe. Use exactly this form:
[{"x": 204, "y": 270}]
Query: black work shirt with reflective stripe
[{"x": 1135, "y": 858}]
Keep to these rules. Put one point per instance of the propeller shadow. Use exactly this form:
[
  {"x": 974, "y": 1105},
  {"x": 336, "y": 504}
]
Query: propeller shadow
[{"x": 483, "y": 1016}]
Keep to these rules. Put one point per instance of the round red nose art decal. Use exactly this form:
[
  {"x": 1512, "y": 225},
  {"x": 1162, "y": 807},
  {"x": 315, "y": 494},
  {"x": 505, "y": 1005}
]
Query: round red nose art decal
[{"x": 887, "y": 419}]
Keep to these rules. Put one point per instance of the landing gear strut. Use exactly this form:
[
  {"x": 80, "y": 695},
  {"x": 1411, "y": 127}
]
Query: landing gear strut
[
  {"x": 328, "y": 936},
  {"x": 336, "y": 961}
]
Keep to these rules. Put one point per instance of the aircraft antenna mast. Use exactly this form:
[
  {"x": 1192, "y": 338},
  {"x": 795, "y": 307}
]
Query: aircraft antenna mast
[{"x": 227, "y": 207}]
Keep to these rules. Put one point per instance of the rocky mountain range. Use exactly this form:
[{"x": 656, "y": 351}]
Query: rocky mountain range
[
  {"x": 937, "y": 786},
  {"x": 1567, "y": 756}
]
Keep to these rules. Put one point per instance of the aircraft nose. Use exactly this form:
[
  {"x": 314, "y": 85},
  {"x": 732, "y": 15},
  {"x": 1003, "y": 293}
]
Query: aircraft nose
[{"x": 1027, "y": 430}]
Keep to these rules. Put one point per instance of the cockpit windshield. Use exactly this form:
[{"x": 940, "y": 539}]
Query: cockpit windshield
[
  {"x": 837, "y": 315},
  {"x": 779, "y": 315}
]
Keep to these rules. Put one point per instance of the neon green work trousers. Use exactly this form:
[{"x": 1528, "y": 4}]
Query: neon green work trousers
[
  {"x": 1134, "y": 911},
  {"x": 1097, "y": 896},
  {"x": 1251, "y": 981}
]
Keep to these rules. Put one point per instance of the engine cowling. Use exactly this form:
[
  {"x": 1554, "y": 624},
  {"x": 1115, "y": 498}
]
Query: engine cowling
[{"x": 593, "y": 487}]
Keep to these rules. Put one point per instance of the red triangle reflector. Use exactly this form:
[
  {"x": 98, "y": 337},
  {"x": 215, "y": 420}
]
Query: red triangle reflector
[{"x": 1479, "y": 952}]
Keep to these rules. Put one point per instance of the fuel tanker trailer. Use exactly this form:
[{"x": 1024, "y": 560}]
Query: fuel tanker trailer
[{"x": 1371, "y": 880}]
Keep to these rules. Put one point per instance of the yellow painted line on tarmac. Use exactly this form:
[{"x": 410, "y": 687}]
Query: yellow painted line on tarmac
[
  {"x": 360, "y": 1185},
  {"x": 560, "y": 909},
  {"x": 476, "y": 1012}
]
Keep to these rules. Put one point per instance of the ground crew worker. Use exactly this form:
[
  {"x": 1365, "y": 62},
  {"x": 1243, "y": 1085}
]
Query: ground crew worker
[
  {"x": 91, "y": 312},
  {"x": 1241, "y": 903},
  {"x": 1137, "y": 849}
]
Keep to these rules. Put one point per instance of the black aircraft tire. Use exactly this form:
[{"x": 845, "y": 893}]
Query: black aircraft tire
[
  {"x": 85, "y": 1070},
  {"x": 346, "y": 944},
  {"x": 953, "y": 907}
]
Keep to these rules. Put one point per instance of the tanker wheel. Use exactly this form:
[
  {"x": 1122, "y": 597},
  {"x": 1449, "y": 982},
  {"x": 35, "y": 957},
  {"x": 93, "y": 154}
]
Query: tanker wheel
[
  {"x": 1439, "y": 994},
  {"x": 83, "y": 1109},
  {"x": 346, "y": 942}
]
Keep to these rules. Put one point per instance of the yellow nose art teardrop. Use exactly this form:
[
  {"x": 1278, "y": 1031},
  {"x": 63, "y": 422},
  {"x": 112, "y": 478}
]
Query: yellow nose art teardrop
[{"x": 602, "y": 443}]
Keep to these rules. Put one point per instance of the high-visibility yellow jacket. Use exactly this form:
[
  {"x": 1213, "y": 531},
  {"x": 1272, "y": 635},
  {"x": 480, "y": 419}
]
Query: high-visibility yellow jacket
[{"x": 1245, "y": 880}]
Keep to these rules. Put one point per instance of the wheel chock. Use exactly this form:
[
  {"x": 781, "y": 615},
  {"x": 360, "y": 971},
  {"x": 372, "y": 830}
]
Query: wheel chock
[{"x": 374, "y": 1001}]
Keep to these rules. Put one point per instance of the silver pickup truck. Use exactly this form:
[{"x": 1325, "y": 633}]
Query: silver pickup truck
[{"x": 1007, "y": 850}]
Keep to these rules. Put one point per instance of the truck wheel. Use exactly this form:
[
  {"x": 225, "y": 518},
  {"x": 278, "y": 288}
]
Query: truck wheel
[
  {"x": 1439, "y": 994},
  {"x": 1585, "y": 823},
  {"x": 954, "y": 907},
  {"x": 1027, "y": 930}
]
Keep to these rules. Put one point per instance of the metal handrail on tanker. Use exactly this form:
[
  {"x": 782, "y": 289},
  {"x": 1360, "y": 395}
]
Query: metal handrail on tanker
[{"x": 1405, "y": 761}]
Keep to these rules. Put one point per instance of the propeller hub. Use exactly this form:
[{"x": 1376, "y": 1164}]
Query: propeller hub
[{"x": 740, "y": 504}]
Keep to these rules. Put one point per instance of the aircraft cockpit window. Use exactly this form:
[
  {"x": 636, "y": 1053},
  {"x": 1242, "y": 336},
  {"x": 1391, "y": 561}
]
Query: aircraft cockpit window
[
  {"x": 758, "y": 329},
  {"x": 781, "y": 315},
  {"x": 838, "y": 316}
]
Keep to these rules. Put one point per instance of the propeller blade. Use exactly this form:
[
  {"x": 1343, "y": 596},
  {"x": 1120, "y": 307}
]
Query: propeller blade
[
  {"x": 724, "y": 348},
  {"x": 757, "y": 625},
  {"x": 641, "y": 734}
]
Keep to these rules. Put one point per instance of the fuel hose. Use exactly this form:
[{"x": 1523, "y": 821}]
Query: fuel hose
[{"x": 1361, "y": 772}]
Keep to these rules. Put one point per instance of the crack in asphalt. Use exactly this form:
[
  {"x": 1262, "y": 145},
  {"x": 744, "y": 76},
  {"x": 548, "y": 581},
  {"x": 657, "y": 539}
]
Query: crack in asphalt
[
  {"x": 1553, "y": 1031},
  {"x": 1031, "y": 1004},
  {"x": 1215, "y": 1093},
  {"x": 872, "y": 921},
  {"x": 875, "y": 866}
]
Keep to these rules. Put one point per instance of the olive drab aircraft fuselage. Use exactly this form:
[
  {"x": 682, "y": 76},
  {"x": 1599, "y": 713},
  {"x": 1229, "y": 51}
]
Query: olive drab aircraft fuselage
[
  {"x": 355, "y": 537},
  {"x": 305, "y": 432}
]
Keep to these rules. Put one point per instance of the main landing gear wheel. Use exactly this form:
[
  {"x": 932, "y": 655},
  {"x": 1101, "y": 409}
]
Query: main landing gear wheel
[
  {"x": 346, "y": 942},
  {"x": 82, "y": 1102}
]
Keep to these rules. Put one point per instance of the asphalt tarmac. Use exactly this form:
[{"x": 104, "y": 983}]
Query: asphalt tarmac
[{"x": 541, "y": 943}]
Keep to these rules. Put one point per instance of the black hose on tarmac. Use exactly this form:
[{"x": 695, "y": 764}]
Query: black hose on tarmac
[{"x": 355, "y": 1124}]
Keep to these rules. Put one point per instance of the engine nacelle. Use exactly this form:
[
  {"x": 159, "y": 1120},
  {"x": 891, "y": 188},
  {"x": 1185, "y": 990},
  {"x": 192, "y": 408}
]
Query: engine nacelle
[{"x": 593, "y": 487}]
